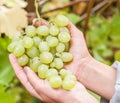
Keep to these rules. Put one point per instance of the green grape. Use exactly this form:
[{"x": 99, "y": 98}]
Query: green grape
[
  {"x": 66, "y": 57},
  {"x": 67, "y": 46},
  {"x": 51, "y": 72},
  {"x": 68, "y": 84},
  {"x": 19, "y": 50},
  {"x": 43, "y": 46},
  {"x": 32, "y": 52},
  {"x": 34, "y": 64},
  {"x": 36, "y": 40},
  {"x": 63, "y": 73},
  {"x": 58, "y": 55},
  {"x": 46, "y": 57},
  {"x": 23, "y": 60},
  {"x": 12, "y": 46},
  {"x": 70, "y": 76},
  {"x": 58, "y": 63},
  {"x": 43, "y": 30},
  {"x": 54, "y": 30},
  {"x": 30, "y": 31},
  {"x": 27, "y": 42},
  {"x": 64, "y": 37},
  {"x": 52, "y": 41},
  {"x": 61, "y": 20},
  {"x": 55, "y": 81},
  {"x": 52, "y": 65},
  {"x": 42, "y": 71},
  {"x": 64, "y": 29},
  {"x": 17, "y": 36},
  {"x": 60, "y": 48},
  {"x": 48, "y": 37}
]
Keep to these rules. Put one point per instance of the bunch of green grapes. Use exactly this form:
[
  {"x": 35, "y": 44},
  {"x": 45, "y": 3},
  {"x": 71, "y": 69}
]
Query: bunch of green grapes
[{"x": 45, "y": 49}]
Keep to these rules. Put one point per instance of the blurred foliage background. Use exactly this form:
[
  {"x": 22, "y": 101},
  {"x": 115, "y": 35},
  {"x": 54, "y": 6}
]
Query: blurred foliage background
[{"x": 98, "y": 19}]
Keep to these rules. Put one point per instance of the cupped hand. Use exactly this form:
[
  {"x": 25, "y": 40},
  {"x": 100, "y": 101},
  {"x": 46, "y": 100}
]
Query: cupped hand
[
  {"x": 42, "y": 90},
  {"x": 78, "y": 48}
]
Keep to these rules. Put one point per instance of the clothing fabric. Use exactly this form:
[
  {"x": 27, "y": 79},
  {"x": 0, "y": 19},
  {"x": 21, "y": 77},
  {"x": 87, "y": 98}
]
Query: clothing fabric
[{"x": 116, "y": 96}]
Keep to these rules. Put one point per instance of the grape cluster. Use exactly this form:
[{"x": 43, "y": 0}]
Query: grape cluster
[{"x": 45, "y": 49}]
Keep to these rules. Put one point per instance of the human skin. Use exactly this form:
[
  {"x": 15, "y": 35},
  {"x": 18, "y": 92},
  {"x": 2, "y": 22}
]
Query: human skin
[
  {"x": 94, "y": 75},
  {"x": 42, "y": 90}
]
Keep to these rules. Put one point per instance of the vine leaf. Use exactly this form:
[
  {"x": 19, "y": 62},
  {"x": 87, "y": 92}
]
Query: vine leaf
[
  {"x": 12, "y": 3},
  {"x": 12, "y": 20}
]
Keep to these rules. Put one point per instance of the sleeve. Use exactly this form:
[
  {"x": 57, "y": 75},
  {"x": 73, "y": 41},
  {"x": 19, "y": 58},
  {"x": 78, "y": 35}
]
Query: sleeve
[{"x": 116, "y": 96}]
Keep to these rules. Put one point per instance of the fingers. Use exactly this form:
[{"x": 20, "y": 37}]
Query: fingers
[
  {"x": 78, "y": 44},
  {"x": 39, "y": 85},
  {"x": 22, "y": 76},
  {"x": 75, "y": 32},
  {"x": 35, "y": 81}
]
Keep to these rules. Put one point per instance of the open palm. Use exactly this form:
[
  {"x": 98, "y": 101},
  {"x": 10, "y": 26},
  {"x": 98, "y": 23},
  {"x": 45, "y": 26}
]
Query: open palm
[{"x": 42, "y": 90}]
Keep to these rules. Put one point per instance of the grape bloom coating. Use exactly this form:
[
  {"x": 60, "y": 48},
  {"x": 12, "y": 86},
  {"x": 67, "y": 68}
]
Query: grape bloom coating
[{"x": 45, "y": 49}]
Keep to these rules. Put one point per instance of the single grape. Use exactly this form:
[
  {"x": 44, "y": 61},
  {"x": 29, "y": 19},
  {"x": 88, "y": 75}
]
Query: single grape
[
  {"x": 54, "y": 30},
  {"x": 66, "y": 57},
  {"x": 61, "y": 20},
  {"x": 58, "y": 63},
  {"x": 27, "y": 42},
  {"x": 58, "y": 55},
  {"x": 19, "y": 50},
  {"x": 52, "y": 41},
  {"x": 64, "y": 29},
  {"x": 36, "y": 40},
  {"x": 23, "y": 60},
  {"x": 63, "y": 73},
  {"x": 51, "y": 72},
  {"x": 48, "y": 37},
  {"x": 43, "y": 30},
  {"x": 52, "y": 65},
  {"x": 55, "y": 81},
  {"x": 35, "y": 63},
  {"x": 17, "y": 36},
  {"x": 46, "y": 57},
  {"x": 12, "y": 46},
  {"x": 32, "y": 52},
  {"x": 60, "y": 48},
  {"x": 30, "y": 31},
  {"x": 70, "y": 76},
  {"x": 42, "y": 71},
  {"x": 68, "y": 84},
  {"x": 64, "y": 37},
  {"x": 43, "y": 46}
]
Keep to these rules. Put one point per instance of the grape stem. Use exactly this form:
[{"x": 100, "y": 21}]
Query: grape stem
[{"x": 36, "y": 9}]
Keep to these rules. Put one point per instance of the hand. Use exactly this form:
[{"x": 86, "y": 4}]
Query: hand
[
  {"x": 79, "y": 50},
  {"x": 42, "y": 90}
]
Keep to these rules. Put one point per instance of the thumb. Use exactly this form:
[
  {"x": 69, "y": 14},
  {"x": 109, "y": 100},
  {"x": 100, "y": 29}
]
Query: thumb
[{"x": 75, "y": 32}]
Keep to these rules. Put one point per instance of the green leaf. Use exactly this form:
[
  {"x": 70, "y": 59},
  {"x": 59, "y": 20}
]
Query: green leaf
[
  {"x": 6, "y": 71},
  {"x": 115, "y": 30},
  {"x": 5, "y": 97},
  {"x": 73, "y": 18},
  {"x": 117, "y": 55}
]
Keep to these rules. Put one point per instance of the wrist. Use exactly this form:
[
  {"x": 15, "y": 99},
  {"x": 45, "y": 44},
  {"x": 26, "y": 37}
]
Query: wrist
[{"x": 97, "y": 77}]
